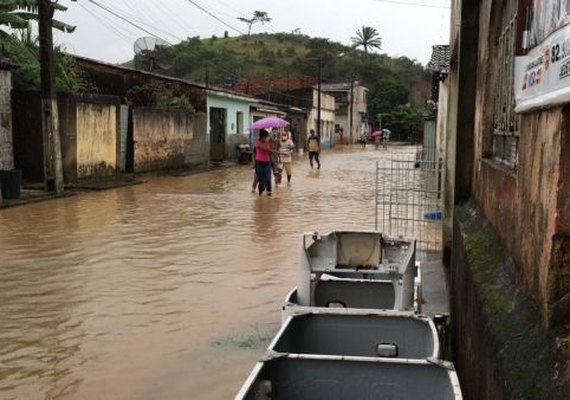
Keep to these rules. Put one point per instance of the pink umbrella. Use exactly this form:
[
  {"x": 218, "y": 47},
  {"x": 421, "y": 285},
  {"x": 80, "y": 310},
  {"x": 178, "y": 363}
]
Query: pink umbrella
[
  {"x": 376, "y": 133},
  {"x": 269, "y": 122}
]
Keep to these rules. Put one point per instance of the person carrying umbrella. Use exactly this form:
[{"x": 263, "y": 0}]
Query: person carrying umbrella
[
  {"x": 385, "y": 137},
  {"x": 377, "y": 136},
  {"x": 263, "y": 152}
]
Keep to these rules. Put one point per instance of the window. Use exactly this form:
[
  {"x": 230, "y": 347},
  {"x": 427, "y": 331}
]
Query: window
[
  {"x": 505, "y": 121},
  {"x": 239, "y": 122}
]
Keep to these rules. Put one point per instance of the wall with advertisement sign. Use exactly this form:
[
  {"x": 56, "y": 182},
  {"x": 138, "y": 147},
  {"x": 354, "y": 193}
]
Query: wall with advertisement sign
[
  {"x": 526, "y": 203},
  {"x": 542, "y": 76}
]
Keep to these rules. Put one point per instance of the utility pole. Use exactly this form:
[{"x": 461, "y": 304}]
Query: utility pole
[
  {"x": 351, "y": 110},
  {"x": 319, "y": 100},
  {"x": 53, "y": 169}
]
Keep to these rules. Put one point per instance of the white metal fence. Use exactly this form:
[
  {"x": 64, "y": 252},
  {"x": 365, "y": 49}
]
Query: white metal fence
[{"x": 409, "y": 199}]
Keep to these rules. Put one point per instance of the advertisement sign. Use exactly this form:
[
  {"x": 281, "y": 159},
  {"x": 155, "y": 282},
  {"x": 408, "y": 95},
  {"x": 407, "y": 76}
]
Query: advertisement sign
[{"x": 542, "y": 77}]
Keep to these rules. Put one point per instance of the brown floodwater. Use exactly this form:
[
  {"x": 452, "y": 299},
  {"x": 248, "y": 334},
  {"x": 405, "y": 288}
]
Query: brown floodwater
[{"x": 166, "y": 290}]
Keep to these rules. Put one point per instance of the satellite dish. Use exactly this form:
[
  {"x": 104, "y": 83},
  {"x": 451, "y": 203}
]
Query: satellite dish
[{"x": 150, "y": 53}]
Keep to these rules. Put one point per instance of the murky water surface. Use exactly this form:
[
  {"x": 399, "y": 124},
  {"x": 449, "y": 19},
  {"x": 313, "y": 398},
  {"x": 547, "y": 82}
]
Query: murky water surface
[{"x": 166, "y": 290}]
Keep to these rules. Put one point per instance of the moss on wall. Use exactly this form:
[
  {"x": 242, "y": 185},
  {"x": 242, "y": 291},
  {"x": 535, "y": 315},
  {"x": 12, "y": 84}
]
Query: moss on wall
[{"x": 498, "y": 326}]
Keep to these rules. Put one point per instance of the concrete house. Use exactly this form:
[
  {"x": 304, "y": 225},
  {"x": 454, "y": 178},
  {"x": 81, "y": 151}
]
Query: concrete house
[
  {"x": 117, "y": 131},
  {"x": 350, "y": 109},
  {"x": 507, "y": 229},
  {"x": 327, "y": 117},
  {"x": 435, "y": 127},
  {"x": 153, "y": 137},
  {"x": 300, "y": 94},
  {"x": 229, "y": 118}
]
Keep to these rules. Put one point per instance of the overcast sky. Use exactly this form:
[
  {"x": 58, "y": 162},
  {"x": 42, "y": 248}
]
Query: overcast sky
[{"x": 407, "y": 27}]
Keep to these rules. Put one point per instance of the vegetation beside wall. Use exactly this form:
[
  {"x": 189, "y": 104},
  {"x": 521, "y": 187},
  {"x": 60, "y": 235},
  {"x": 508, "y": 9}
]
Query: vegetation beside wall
[
  {"x": 158, "y": 96},
  {"x": 23, "y": 51}
]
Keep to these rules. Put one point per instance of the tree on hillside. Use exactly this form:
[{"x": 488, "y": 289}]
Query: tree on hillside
[
  {"x": 258, "y": 16},
  {"x": 367, "y": 37},
  {"x": 387, "y": 95},
  {"x": 17, "y": 14}
]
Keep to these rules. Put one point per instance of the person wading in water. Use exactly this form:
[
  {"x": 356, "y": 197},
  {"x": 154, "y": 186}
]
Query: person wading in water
[
  {"x": 314, "y": 146},
  {"x": 263, "y": 150}
]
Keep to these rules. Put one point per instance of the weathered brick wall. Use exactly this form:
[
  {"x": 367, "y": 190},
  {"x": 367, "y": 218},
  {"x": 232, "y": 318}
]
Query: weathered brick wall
[
  {"x": 510, "y": 270},
  {"x": 501, "y": 349},
  {"x": 522, "y": 204},
  {"x": 6, "y": 145},
  {"x": 167, "y": 139}
]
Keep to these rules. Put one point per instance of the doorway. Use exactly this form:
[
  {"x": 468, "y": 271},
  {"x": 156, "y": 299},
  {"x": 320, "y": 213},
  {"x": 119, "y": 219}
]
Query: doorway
[{"x": 217, "y": 134}]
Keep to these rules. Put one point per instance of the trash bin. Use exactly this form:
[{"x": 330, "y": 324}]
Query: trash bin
[
  {"x": 10, "y": 181},
  {"x": 244, "y": 154}
]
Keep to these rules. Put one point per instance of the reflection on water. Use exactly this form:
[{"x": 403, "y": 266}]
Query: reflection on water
[{"x": 170, "y": 289}]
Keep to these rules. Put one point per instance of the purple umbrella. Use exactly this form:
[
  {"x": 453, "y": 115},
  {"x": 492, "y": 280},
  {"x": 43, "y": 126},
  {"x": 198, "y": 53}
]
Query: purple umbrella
[{"x": 269, "y": 122}]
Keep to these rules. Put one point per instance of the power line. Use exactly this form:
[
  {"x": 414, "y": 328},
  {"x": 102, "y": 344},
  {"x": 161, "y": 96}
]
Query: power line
[
  {"x": 183, "y": 23},
  {"x": 150, "y": 33},
  {"x": 216, "y": 66},
  {"x": 125, "y": 19},
  {"x": 406, "y": 3},
  {"x": 230, "y": 7},
  {"x": 213, "y": 16},
  {"x": 109, "y": 25},
  {"x": 141, "y": 22}
]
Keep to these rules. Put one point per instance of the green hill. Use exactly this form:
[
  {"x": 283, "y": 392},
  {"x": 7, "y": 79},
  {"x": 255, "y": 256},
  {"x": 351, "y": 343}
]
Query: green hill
[{"x": 394, "y": 83}]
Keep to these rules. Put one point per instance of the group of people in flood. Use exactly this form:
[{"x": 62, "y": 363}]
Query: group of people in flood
[
  {"x": 273, "y": 155},
  {"x": 379, "y": 137}
]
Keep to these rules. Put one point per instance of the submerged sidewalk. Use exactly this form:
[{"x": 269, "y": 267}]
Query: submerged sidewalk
[
  {"x": 34, "y": 192},
  {"x": 435, "y": 292}
]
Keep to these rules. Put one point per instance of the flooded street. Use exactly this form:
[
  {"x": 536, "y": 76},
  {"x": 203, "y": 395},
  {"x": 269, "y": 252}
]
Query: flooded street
[{"x": 166, "y": 290}]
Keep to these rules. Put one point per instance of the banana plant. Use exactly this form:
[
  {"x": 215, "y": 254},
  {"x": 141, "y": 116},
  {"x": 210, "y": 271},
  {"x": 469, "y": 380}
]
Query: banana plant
[{"x": 17, "y": 14}]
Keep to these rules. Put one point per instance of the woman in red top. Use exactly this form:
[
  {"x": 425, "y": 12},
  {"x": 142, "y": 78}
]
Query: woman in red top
[{"x": 263, "y": 152}]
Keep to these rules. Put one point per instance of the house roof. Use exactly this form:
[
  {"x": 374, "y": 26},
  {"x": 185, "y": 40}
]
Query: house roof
[
  {"x": 210, "y": 89},
  {"x": 257, "y": 87},
  {"x": 440, "y": 57},
  {"x": 339, "y": 87}
]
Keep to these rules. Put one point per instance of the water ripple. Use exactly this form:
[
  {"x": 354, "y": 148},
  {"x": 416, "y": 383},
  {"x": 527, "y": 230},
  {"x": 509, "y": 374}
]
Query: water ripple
[{"x": 119, "y": 294}]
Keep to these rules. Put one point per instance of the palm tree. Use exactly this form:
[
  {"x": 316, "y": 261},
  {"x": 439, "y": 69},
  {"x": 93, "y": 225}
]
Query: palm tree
[
  {"x": 367, "y": 37},
  {"x": 17, "y": 14}
]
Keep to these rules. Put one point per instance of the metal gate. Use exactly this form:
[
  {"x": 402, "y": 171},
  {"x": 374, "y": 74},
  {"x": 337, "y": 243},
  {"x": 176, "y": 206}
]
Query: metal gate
[{"x": 409, "y": 198}]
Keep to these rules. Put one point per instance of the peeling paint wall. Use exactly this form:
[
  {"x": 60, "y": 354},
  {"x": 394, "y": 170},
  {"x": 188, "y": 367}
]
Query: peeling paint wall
[
  {"x": 168, "y": 139},
  {"x": 6, "y": 144},
  {"x": 96, "y": 136},
  {"x": 522, "y": 215},
  {"x": 520, "y": 203}
]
